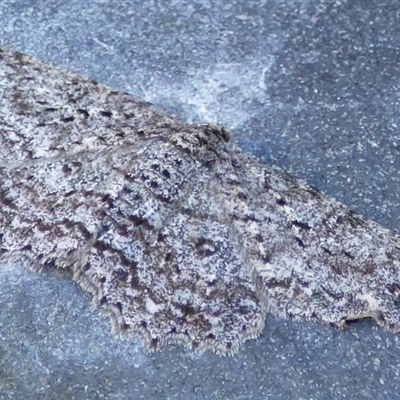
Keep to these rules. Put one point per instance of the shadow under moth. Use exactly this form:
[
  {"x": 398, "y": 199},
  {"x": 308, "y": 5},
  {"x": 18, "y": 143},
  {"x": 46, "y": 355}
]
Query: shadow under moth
[{"x": 177, "y": 234}]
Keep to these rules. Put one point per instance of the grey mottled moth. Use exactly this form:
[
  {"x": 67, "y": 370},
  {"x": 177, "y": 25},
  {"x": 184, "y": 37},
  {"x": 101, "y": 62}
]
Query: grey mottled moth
[{"x": 177, "y": 234}]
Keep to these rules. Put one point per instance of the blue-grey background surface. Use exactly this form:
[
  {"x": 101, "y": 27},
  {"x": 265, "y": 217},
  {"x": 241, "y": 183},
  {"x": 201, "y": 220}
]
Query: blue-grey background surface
[{"x": 311, "y": 86}]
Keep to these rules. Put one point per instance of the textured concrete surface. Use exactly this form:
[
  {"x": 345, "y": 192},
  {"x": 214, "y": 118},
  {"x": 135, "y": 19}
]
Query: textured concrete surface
[{"x": 310, "y": 86}]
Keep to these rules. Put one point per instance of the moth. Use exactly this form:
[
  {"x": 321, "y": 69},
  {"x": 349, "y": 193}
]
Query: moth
[{"x": 179, "y": 235}]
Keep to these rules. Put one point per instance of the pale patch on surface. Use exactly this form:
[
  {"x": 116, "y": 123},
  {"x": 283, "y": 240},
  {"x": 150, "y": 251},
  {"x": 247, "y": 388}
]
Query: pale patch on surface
[{"x": 210, "y": 94}]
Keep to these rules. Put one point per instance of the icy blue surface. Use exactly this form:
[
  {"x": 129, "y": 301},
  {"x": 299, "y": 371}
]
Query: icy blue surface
[{"x": 310, "y": 86}]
